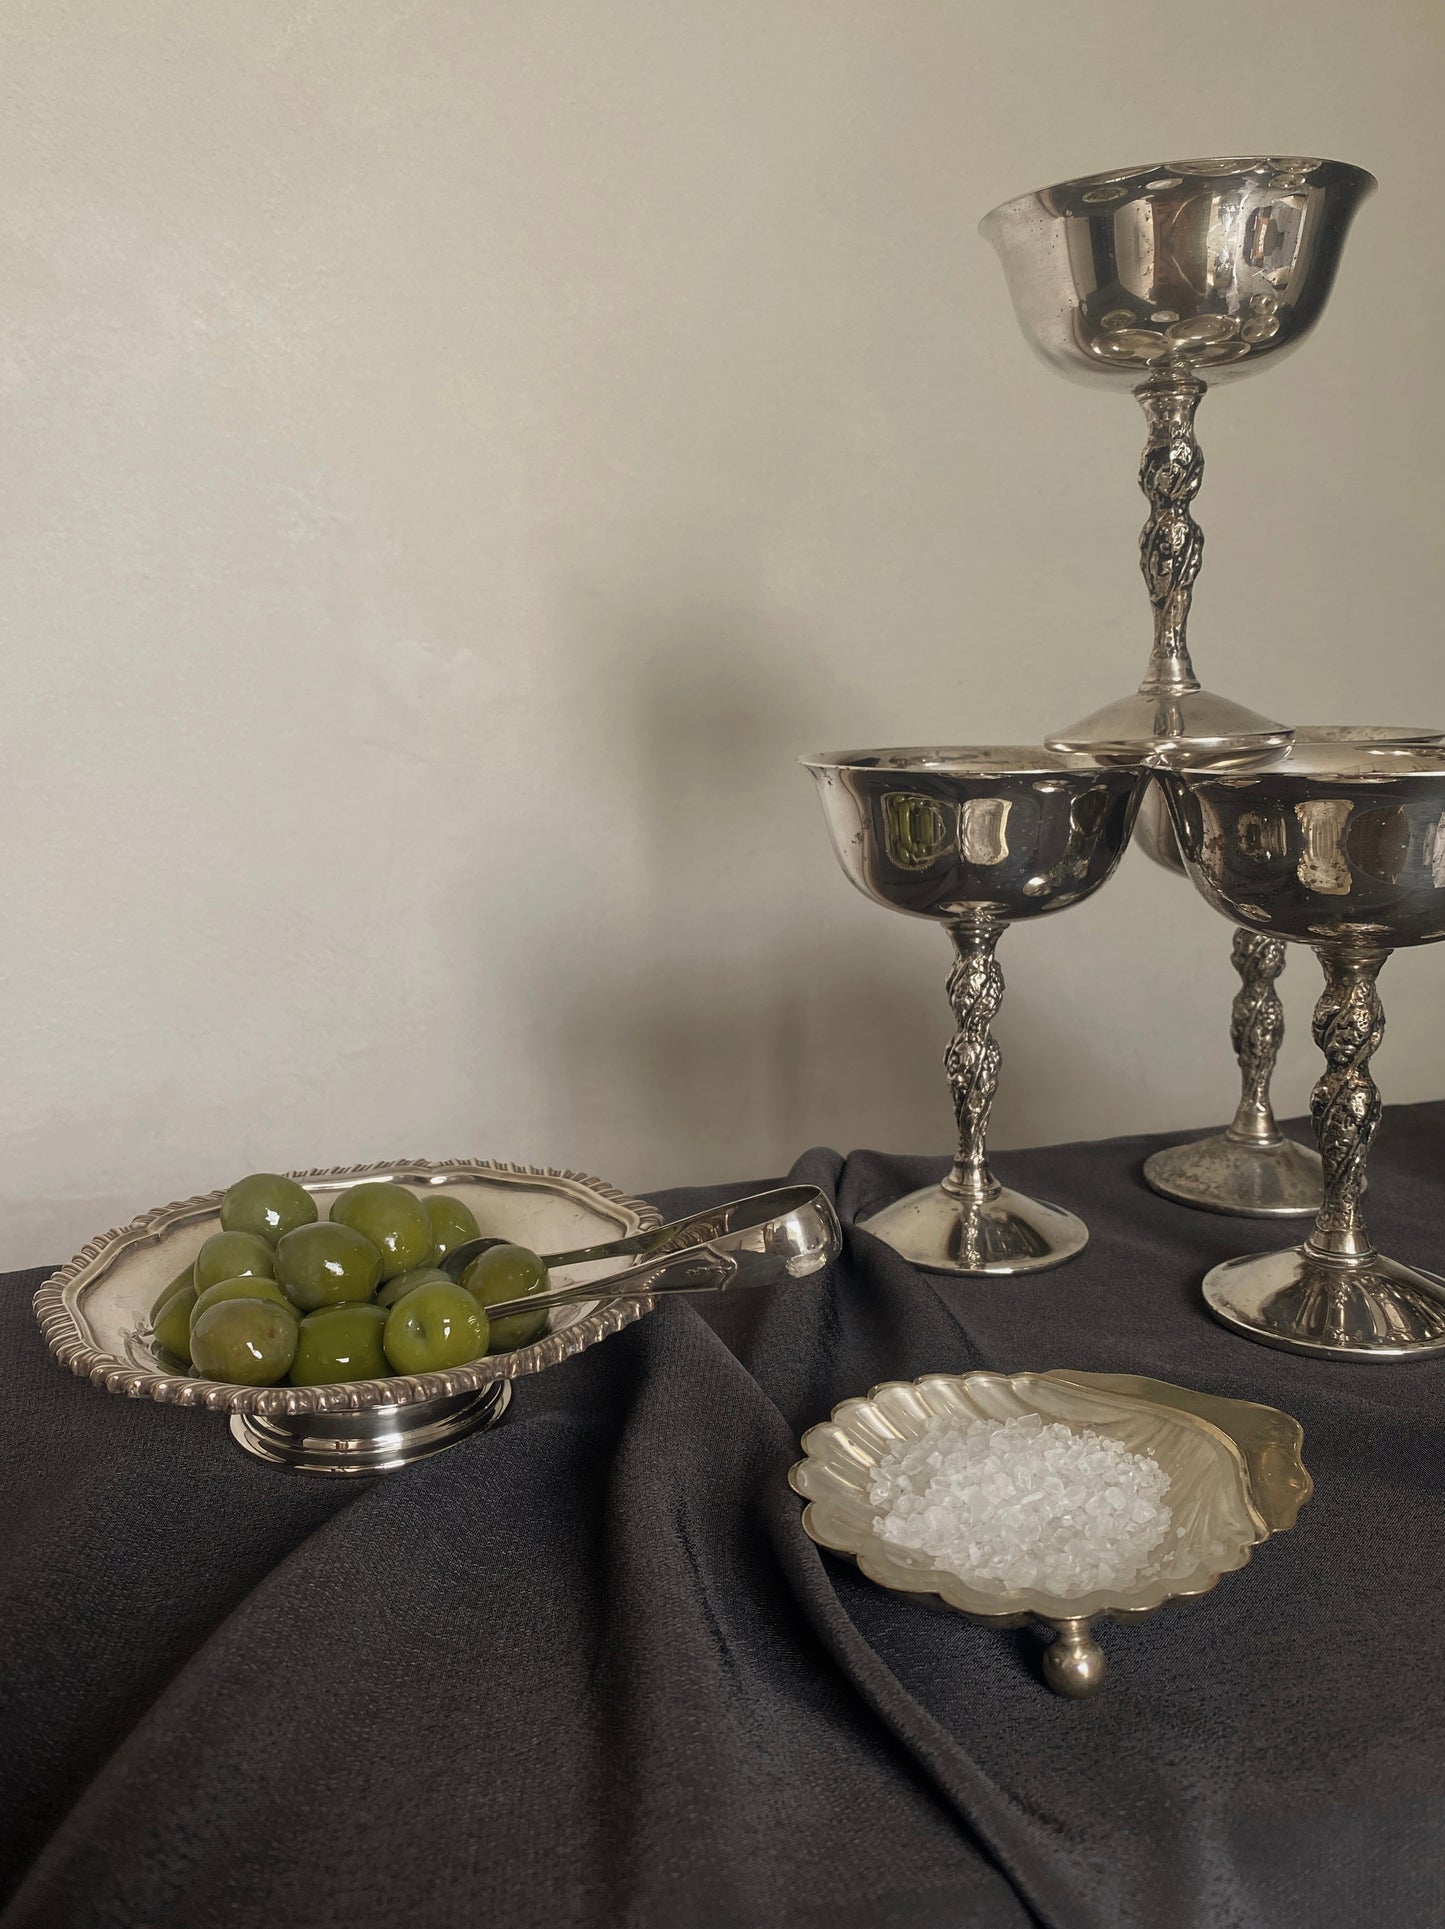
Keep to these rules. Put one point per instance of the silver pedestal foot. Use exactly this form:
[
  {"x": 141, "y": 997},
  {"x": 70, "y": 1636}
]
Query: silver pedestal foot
[
  {"x": 944, "y": 1232},
  {"x": 1254, "y": 1180},
  {"x": 1375, "y": 1309},
  {"x": 375, "y": 1441}
]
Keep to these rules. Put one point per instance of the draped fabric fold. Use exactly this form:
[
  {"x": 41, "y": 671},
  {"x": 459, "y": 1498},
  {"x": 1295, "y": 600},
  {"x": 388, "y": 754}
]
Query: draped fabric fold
[{"x": 587, "y": 1669}]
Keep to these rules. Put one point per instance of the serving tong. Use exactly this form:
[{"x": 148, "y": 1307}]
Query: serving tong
[{"x": 766, "y": 1239}]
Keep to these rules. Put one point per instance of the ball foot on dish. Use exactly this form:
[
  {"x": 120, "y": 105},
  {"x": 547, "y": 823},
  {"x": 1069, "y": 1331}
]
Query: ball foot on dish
[
  {"x": 376, "y": 1440},
  {"x": 943, "y": 1231},
  {"x": 1254, "y": 1179},
  {"x": 1074, "y": 1662},
  {"x": 1370, "y": 1308}
]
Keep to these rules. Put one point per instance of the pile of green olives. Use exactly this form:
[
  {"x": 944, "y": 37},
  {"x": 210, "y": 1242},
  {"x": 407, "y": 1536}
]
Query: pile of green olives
[{"x": 281, "y": 1294}]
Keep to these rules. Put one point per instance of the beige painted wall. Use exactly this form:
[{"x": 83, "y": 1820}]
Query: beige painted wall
[{"x": 456, "y": 456}]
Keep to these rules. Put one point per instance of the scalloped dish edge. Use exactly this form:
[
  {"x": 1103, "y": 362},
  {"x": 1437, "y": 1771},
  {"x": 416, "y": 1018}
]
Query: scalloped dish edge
[{"x": 931, "y": 1585}]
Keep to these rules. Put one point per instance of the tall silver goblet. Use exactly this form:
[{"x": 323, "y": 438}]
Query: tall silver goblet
[
  {"x": 1161, "y": 279},
  {"x": 1251, "y": 1168},
  {"x": 976, "y": 839},
  {"x": 1340, "y": 846}
]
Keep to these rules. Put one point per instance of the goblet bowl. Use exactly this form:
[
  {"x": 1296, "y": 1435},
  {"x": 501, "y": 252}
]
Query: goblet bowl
[
  {"x": 987, "y": 834},
  {"x": 1207, "y": 265},
  {"x": 1335, "y": 842},
  {"x": 1154, "y": 829}
]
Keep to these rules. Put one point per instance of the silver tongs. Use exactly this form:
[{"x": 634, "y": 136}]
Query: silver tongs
[{"x": 765, "y": 1240}]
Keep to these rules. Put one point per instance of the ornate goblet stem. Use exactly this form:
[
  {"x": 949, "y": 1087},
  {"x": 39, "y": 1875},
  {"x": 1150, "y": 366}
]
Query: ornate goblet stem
[
  {"x": 1251, "y": 1168},
  {"x": 1256, "y": 1026},
  {"x": 1345, "y": 1107},
  {"x": 975, "y": 990},
  {"x": 1171, "y": 544},
  {"x": 970, "y": 1223}
]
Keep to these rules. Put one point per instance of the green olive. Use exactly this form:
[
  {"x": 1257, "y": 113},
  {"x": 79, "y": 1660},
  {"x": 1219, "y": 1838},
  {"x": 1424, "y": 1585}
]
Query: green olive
[
  {"x": 452, "y": 1223},
  {"x": 340, "y": 1343},
  {"x": 398, "y": 1288},
  {"x": 186, "y": 1277},
  {"x": 268, "y": 1205},
  {"x": 233, "y": 1255},
  {"x": 433, "y": 1328},
  {"x": 508, "y": 1272},
  {"x": 393, "y": 1219},
  {"x": 244, "y": 1342},
  {"x": 173, "y": 1323},
  {"x": 239, "y": 1289},
  {"x": 324, "y": 1264}
]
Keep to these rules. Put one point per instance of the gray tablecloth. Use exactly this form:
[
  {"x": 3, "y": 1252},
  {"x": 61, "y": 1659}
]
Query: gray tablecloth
[{"x": 587, "y": 1669}]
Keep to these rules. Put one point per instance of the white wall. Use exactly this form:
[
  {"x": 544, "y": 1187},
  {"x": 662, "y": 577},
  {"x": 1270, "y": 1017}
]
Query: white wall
[{"x": 456, "y": 456}]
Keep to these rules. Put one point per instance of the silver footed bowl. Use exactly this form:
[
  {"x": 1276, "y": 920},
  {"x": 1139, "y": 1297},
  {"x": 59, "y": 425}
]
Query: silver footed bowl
[
  {"x": 1340, "y": 846},
  {"x": 1251, "y": 1168},
  {"x": 1161, "y": 279},
  {"x": 976, "y": 838},
  {"x": 95, "y": 1314}
]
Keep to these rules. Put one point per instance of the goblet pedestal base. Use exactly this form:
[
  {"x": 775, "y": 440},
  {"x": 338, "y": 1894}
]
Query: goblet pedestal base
[
  {"x": 1190, "y": 726},
  {"x": 1366, "y": 1309},
  {"x": 1257, "y": 1179},
  {"x": 374, "y": 1441},
  {"x": 943, "y": 1231}
]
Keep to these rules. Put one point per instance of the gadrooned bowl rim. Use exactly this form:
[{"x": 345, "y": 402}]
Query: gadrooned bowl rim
[{"x": 69, "y": 1342}]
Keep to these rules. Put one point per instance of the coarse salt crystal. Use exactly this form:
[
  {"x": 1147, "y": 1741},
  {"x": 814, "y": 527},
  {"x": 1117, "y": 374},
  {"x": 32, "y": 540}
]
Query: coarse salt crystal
[{"x": 1025, "y": 1503}]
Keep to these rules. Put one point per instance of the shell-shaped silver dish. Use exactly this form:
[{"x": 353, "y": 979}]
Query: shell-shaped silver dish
[
  {"x": 95, "y": 1311},
  {"x": 1235, "y": 1477}
]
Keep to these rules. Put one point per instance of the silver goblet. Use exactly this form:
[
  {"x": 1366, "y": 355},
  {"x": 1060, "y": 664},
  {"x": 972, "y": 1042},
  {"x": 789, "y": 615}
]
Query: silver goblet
[
  {"x": 1251, "y": 1168},
  {"x": 1161, "y": 279},
  {"x": 976, "y": 839},
  {"x": 1340, "y": 846}
]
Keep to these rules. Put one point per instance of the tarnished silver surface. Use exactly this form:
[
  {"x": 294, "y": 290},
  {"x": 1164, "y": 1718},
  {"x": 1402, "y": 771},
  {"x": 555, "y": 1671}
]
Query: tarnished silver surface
[
  {"x": 1339, "y": 845},
  {"x": 1235, "y": 1470},
  {"x": 1162, "y": 279},
  {"x": 1251, "y": 1168},
  {"x": 95, "y": 1314},
  {"x": 976, "y": 838}
]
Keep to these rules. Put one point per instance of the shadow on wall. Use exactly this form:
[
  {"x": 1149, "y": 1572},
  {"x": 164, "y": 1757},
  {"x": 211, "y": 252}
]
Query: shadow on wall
[
  {"x": 728, "y": 1032},
  {"x": 706, "y": 1011},
  {"x": 730, "y": 1078}
]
